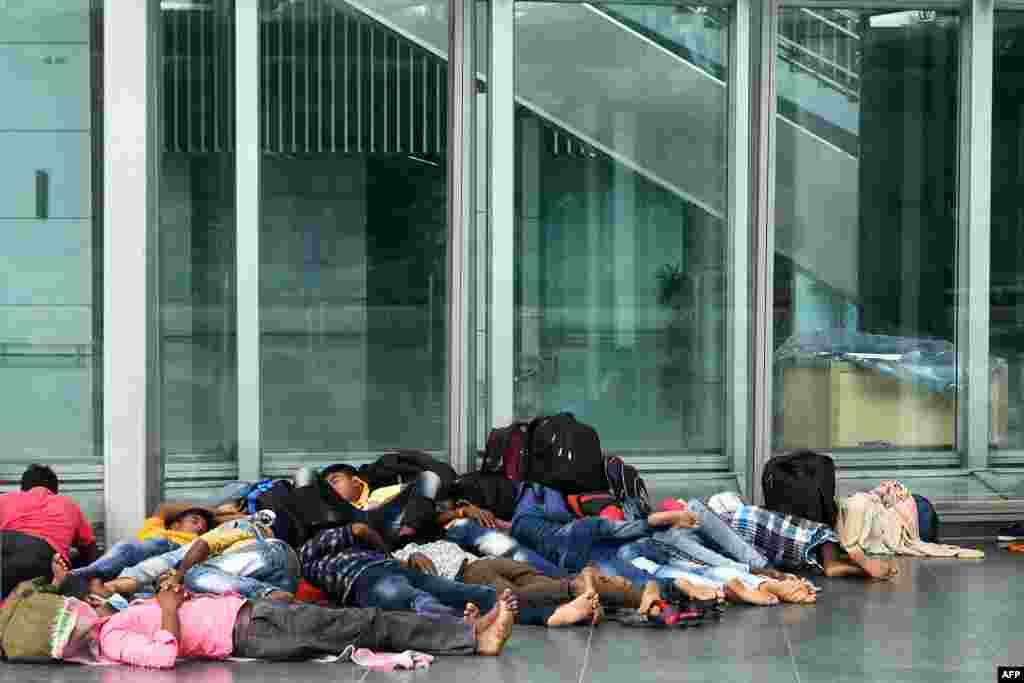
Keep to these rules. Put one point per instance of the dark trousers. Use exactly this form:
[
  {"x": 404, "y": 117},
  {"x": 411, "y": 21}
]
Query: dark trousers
[
  {"x": 527, "y": 582},
  {"x": 22, "y": 558},
  {"x": 296, "y": 631}
]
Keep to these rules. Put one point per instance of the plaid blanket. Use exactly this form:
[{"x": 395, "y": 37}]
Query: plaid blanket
[{"x": 786, "y": 541}]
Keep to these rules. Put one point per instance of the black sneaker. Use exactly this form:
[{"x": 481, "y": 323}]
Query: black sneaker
[{"x": 1012, "y": 534}]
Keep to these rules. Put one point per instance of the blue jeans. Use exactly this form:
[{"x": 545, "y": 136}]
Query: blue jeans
[
  {"x": 571, "y": 545},
  {"x": 713, "y": 543},
  {"x": 537, "y": 495},
  {"x": 659, "y": 562},
  {"x": 124, "y": 555},
  {"x": 255, "y": 571},
  {"x": 394, "y": 587},
  {"x": 495, "y": 543},
  {"x": 147, "y": 572}
]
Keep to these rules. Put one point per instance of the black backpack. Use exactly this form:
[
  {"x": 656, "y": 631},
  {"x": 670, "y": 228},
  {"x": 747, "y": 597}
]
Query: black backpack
[
  {"x": 565, "y": 455},
  {"x": 802, "y": 484},
  {"x": 489, "y": 490}
]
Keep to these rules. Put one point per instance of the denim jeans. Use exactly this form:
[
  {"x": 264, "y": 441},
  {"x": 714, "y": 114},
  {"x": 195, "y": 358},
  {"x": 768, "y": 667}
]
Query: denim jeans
[
  {"x": 394, "y": 587},
  {"x": 570, "y": 545},
  {"x": 147, "y": 572},
  {"x": 552, "y": 501},
  {"x": 255, "y": 571},
  {"x": 123, "y": 555},
  {"x": 658, "y": 561},
  {"x": 713, "y": 543},
  {"x": 495, "y": 543}
]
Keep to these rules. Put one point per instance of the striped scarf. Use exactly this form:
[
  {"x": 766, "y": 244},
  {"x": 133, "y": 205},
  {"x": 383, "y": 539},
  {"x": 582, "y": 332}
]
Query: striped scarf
[{"x": 784, "y": 540}]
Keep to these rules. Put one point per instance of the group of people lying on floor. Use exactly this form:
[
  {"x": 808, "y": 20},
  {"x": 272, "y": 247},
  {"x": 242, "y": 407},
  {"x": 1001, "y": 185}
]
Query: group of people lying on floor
[{"x": 417, "y": 567}]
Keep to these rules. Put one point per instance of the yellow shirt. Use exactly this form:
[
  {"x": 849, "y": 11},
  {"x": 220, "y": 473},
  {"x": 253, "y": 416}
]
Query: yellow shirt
[
  {"x": 371, "y": 499},
  {"x": 154, "y": 527}
]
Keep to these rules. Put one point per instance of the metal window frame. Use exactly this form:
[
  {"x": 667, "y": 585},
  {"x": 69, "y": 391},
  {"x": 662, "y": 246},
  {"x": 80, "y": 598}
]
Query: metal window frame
[
  {"x": 738, "y": 245},
  {"x": 462, "y": 171},
  {"x": 247, "y": 237},
  {"x": 131, "y": 425},
  {"x": 501, "y": 212},
  {"x": 974, "y": 251}
]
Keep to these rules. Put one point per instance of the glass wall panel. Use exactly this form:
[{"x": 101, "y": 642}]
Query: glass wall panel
[
  {"x": 353, "y": 234},
  {"x": 866, "y": 229},
  {"x": 198, "y": 388},
  {"x": 51, "y": 260},
  {"x": 1006, "y": 312},
  {"x": 621, "y": 221}
]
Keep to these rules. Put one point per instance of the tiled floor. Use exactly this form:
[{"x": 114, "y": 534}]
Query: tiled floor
[{"x": 941, "y": 620}]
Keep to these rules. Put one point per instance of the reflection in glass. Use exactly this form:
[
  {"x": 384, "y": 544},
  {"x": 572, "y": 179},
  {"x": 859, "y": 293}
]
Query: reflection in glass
[
  {"x": 866, "y": 219},
  {"x": 621, "y": 231},
  {"x": 1006, "y": 301},
  {"x": 51, "y": 261},
  {"x": 197, "y": 245},
  {"x": 353, "y": 238}
]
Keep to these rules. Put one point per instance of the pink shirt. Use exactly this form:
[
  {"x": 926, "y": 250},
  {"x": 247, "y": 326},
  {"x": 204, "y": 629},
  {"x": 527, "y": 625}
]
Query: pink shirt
[
  {"x": 42, "y": 513},
  {"x": 134, "y": 636}
]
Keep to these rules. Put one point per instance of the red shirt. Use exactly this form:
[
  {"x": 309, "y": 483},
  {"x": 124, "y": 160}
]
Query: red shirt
[{"x": 42, "y": 513}]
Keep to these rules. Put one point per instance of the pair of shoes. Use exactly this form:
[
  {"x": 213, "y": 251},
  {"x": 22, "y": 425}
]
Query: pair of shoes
[{"x": 1012, "y": 534}]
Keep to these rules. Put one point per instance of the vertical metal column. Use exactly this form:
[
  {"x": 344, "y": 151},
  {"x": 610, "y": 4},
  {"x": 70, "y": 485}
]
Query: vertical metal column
[
  {"x": 501, "y": 116},
  {"x": 763, "y": 33},
  {"x": 974, "y": 232},
  {"x": 247, "y": 239},
  {"x": 131, "y": 435},
  {"x": 738, "y": 247},
  {"x": 461, "y": 212}
]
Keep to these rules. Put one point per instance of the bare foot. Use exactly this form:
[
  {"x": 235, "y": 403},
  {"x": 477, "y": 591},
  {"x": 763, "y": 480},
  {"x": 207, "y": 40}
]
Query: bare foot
[
  {"x": 281, "y": 596},
  {"x": 491, "y": 640},
  {"x": 769, "y": 572},
  {"x": 737, "y": 591},
  {"x": 790, "y": 590},
  {"x": 59, "y": 568},
  {"x": 650, "y": 596},
  {"x": 882, "y": 570},
  {"x": 471, "y": 616},
  {"x": 588, "y": 580},
  {"x": 839, "y": 569},
  {"x": 582, "y": 609},
  {"x": 698, "y": 592}
]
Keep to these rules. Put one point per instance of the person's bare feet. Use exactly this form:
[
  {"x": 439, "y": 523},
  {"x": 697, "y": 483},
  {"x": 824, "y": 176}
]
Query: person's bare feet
[
  {"x": 839, "y": 569},
  {"x": 769, "y": 572},
  {"x": 881, "y": 570},
  {"x": 580, "y": 610},
  {"x": 737, "y": 591},
  {"x": 471, "y": 615},
  {"x": 791, "y": 590},
  {"x": 698, "y": 592},
  {"x": 59, "y": 568},
  {"x": 650, "y": 596},
  {"x": 281, "y": 596},
  {"x": 588, "y": 580},
  {"x": 491, "y": 639}
]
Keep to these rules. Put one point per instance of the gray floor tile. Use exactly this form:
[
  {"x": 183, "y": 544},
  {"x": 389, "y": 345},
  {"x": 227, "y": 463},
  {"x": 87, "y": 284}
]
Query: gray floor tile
[{"x": 942, "y": 620}]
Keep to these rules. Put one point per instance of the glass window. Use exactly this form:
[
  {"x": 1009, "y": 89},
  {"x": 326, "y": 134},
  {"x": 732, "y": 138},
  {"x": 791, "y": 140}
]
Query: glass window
[
  {"x": 51, "y": 261},
  {"x": 1006, "y": 312},
  {"x": 198, "y": 389},
  {"x": 621, "y": 221},
  {"x": 866, "y": 228},
  {"x": 353, "y": 234}
]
